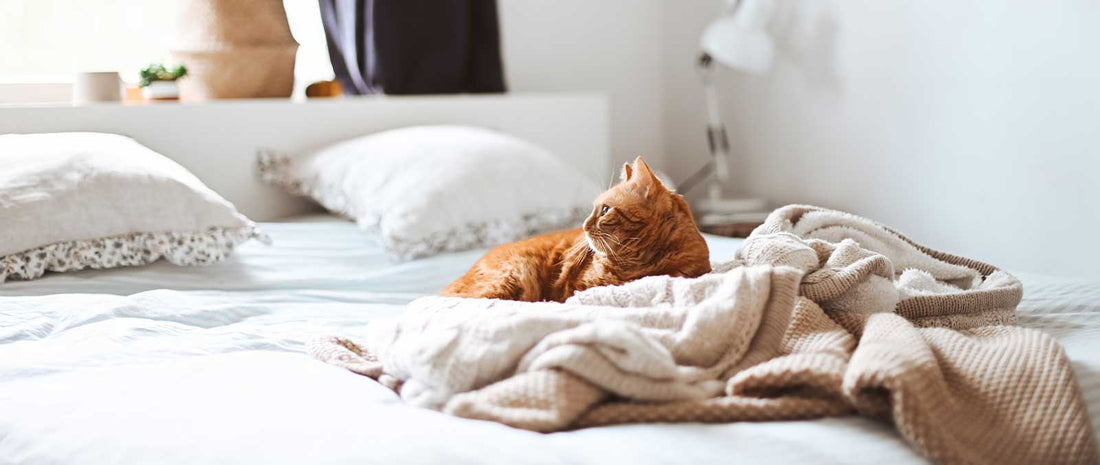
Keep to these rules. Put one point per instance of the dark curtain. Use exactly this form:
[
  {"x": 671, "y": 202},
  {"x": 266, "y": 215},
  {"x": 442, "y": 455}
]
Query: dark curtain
[{"x": 414, "y": 46}]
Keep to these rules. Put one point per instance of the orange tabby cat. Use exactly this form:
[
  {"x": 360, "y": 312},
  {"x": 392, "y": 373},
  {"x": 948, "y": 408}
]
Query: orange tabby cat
[{"x": 638, "y": 228}]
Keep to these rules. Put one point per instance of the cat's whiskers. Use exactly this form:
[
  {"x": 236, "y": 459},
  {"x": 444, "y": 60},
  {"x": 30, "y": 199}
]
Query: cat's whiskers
[
  {"x": 612, "y": 239},
  {"x": 612, "y": 255},
  {"x": 627, "y": 240},
  {"x": 583, "y": 249},
  {"x": 578, "y": 248},
  {"x": 591, "y": 243}
]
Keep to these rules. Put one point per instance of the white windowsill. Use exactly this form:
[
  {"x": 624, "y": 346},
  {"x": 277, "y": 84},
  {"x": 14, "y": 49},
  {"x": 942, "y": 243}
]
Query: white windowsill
[
  {"x": 37, "y": 93},
  {"x": 266, "y": 102}
]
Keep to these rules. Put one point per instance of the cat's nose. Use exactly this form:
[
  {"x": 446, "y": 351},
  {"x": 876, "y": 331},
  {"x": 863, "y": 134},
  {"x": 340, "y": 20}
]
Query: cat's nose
[{"x": 589, "y": 222}]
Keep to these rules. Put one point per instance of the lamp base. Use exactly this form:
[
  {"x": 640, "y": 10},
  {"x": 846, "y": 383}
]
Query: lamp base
[{"x": 721, "y": 211}]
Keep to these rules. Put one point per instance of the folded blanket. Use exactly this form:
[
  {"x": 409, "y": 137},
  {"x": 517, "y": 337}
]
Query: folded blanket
[{"x": 821, "y": 313}]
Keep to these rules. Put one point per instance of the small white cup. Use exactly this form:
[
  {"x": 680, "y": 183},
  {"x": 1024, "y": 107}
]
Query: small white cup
[{"x": 97, "y": 87}]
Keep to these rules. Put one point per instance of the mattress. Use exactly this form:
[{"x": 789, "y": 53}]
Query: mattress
[{"x": 164, "y": 364}]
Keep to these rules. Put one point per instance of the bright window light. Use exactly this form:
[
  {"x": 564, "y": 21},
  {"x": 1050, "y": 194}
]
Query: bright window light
[{"x": 52, "y": 40}]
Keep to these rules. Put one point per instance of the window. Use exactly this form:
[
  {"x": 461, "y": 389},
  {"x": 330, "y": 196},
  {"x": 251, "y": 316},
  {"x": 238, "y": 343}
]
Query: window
[{"x": 49, "y": 41}]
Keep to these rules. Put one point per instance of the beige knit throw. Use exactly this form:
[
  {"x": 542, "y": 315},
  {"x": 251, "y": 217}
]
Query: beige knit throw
[{"x": 821, "y": 313}]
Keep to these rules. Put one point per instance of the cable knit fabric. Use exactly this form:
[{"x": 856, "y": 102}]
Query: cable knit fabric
[{"x": 821, "y": 313}]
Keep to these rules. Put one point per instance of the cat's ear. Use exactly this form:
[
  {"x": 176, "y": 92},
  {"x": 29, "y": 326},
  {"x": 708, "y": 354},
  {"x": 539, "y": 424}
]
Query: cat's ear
[
  {"x": 646, "y": 179},
  {"x": 627, "y": 173}
]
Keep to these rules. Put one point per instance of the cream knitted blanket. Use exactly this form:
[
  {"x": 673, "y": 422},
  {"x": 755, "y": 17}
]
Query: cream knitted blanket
[{"x": 821, "y": 313}]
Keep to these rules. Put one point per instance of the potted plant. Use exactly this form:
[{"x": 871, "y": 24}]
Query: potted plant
[{"x": 159, "y": 82}]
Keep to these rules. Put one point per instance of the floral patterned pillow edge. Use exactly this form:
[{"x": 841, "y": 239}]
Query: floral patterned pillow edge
[{"x": 133, "y": 249}]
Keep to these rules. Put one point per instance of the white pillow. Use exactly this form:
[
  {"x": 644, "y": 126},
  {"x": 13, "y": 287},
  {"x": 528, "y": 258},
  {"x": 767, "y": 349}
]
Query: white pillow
[
  {"x": 429, "y": 189},
  {"x": 70, "y": 201}
]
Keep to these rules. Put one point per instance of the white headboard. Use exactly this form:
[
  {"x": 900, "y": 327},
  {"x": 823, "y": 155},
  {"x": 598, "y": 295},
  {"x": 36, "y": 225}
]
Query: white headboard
[{"x": 218, "y": 140}]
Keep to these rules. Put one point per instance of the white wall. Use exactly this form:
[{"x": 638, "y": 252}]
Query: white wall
[
  {"x": 682, "y": 95},
  {"x": 610, "y": 46},
  {"x": 972, "y": 125}
]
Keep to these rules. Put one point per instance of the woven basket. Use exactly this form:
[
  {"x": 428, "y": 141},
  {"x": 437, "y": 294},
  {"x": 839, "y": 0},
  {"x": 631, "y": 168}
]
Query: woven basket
[
  {"x": 234, "y": 49},
  {"x": 241, "y": 72}
]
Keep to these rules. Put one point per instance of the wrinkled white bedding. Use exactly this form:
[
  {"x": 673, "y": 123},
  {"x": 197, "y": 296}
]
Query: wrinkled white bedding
[{"x": 113, "y": 367}]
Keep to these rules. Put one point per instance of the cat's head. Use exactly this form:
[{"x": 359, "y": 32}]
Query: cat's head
[{"x": 643, "y": 228}]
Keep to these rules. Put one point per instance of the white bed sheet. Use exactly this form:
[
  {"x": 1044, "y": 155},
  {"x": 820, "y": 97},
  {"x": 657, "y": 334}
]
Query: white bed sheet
[{"x": 163, "y": 364}]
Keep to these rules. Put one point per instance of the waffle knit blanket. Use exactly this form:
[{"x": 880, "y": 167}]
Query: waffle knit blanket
[{"x": 821, "y": 313}]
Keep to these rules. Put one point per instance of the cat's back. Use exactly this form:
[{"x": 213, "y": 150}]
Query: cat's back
[{"x": 517, "y": 269}]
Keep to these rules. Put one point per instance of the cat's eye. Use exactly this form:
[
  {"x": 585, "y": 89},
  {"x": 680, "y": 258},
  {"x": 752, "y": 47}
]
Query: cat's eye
[{"x": 604, "y": 210}]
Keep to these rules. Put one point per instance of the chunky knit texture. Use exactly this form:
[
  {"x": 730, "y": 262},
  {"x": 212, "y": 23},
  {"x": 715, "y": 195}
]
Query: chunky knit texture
[{"x": 821, "y": 313}]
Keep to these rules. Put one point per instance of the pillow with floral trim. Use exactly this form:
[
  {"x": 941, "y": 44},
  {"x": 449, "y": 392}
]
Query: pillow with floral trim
[
  {"x": 70, "y": 201},
  {"x": 424, "y": 190}
]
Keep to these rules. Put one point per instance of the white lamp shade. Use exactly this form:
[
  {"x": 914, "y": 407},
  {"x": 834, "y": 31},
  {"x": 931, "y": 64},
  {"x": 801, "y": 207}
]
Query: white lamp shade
[{"x": 740, "y": 40}]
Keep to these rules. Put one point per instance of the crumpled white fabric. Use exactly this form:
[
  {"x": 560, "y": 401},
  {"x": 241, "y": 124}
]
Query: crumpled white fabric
[{"x": 674, "y": 347}]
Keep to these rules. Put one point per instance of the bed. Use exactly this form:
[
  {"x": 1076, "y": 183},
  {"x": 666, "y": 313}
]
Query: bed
[
  {"x": 171, "y": 364},
  {"x": 167, "y": 364}
]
